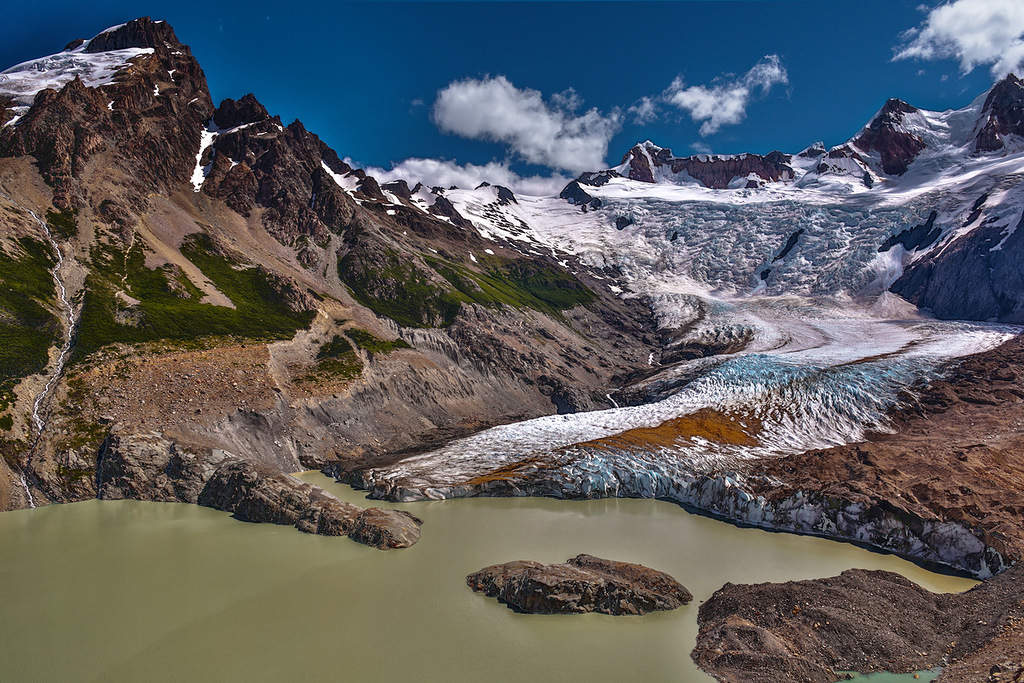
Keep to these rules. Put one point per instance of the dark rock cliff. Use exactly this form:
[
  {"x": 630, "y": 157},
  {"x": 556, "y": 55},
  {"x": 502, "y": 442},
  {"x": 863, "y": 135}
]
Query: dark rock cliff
[{"x": 976, "y": 277}]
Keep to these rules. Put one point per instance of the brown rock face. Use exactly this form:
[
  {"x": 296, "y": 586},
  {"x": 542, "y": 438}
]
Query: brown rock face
[
  {"x": 897, "y": 147},
  {"x": 860, "y": 621},
  {"x": 715, "y": 171},
  {"x": 1003, "y": 114},
  {"x": 147, "y": 121},
  {"x": 152, "y": 468},
  {"x": 276, "y": 168},
  {"x": 583, "y": 584}
]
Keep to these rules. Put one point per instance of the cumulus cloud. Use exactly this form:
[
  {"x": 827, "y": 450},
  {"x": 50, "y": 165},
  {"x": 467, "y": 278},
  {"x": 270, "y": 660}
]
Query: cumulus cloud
[
  {"x": 975, "y": 32},
  {"x": 724, "y": 103},
  {"x": 547, "y": 133},
  {"x": 442, "y": 173}
]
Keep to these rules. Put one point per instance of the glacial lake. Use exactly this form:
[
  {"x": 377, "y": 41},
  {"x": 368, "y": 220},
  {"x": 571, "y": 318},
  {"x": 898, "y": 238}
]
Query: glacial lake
[{"x": 133, "y": 591}]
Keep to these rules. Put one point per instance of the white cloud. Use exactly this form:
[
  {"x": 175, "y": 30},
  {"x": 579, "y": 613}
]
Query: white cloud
[
  {"x": 545, "y": 133},
  {"x": 975, "y": 32},
  {"x": 644, "y": 111},
  {"x": 438, "y": 172},
  {"x": 701, "y": 148},
  {"x": 724, "y": 103}
]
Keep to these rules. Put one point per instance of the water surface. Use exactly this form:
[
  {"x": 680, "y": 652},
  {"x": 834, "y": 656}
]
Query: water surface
[{"x": 132, "y": 591}]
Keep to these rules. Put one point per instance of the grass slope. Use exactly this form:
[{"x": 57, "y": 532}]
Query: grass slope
[{"x": 169, "y": 305}]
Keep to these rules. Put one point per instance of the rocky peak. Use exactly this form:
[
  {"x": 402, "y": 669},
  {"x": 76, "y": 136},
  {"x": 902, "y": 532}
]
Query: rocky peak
[
  {"x": 887, "y": 136},
  {"x": 1003, "y": 114},
  {"x": 505, "y": 195},
  {"x": 232, "y": 113},
  {"x": 146, "y": 121},
  {"x": 642, "y": 161},
  {"x": 646, "y": 161},
  {"x": 814, "y": 151},
  {"x": 141, "y": 32},
  {"x": 891, "y": 114}
]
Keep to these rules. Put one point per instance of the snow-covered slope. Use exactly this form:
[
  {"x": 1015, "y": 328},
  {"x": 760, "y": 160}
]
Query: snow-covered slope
[
  {"x": 23, "y": 82},
  {"x": 823, "y": 223}
]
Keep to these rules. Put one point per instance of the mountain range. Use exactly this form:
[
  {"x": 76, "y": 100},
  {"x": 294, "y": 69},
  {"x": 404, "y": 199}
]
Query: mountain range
[{"x": 197, "y": 299}]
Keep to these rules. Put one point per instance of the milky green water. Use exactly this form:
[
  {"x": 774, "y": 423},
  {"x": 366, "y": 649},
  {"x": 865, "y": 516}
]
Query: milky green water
[{"x": 130, "y": 591}]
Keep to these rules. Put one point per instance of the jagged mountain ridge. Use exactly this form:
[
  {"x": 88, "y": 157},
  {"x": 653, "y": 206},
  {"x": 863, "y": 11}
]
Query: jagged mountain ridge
[
  {"x": 822, "y": 222},
  {"x": 236, "y": 285}
]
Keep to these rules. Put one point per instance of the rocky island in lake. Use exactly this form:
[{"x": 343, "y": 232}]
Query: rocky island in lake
[{"x": 582, "y": 584}]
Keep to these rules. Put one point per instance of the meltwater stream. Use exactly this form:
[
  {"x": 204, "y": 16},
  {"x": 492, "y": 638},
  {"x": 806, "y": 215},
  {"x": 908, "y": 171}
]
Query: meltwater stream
[{"x": 69, "y": 328}]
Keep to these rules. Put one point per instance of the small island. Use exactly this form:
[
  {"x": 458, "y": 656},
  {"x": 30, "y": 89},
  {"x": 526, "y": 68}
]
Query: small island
[{"x": 583, "y": 584}]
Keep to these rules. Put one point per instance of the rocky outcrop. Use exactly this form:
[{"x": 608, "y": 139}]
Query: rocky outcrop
[
  {"x": 1003, "y": 115},
  {"x": 444, "y": 208},
  {"x": 857, "y": 621},
  {"x": 916, "y": 238},
  {"x": 646, "y": 161},
  {"x": 886, "y": 136},
  {"x": 575, "y": 194},
  {"x": 583, "y": 584},
  {"x": 149, "y": 467},
  {"x": 232, "y": 113}
]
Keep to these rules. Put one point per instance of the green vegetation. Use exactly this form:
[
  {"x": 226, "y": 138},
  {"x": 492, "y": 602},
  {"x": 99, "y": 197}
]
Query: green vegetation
[
  {"x": 27, "y": 328},
  {"x": 64, "y": 223},
  {"x": 406, "y": 294},
  {"x": 372, "y": 344},
  {"x": 336, "y": 358},
  {"x": 6, "y": 423},
  {"x": 517, "y": 283},
  {"x": 400, "y": 291},
  {"x": 71, "y": 475},
  {"x": 169, "y": 304}
]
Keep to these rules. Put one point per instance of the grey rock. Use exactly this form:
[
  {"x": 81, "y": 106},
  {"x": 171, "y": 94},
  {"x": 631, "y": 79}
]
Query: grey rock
[{"x": 150, "y": 467}]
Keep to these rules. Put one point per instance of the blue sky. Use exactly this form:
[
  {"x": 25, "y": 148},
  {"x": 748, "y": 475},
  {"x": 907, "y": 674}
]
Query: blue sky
[{"x": 542, "y": 88}]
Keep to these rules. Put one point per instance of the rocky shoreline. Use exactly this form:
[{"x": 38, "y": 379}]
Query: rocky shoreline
[
  {"x": 150, "y": 467},
  {"x": 862, "y": 621}
]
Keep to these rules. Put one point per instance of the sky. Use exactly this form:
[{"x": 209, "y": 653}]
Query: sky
[{"x": 529, "y": 94}]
